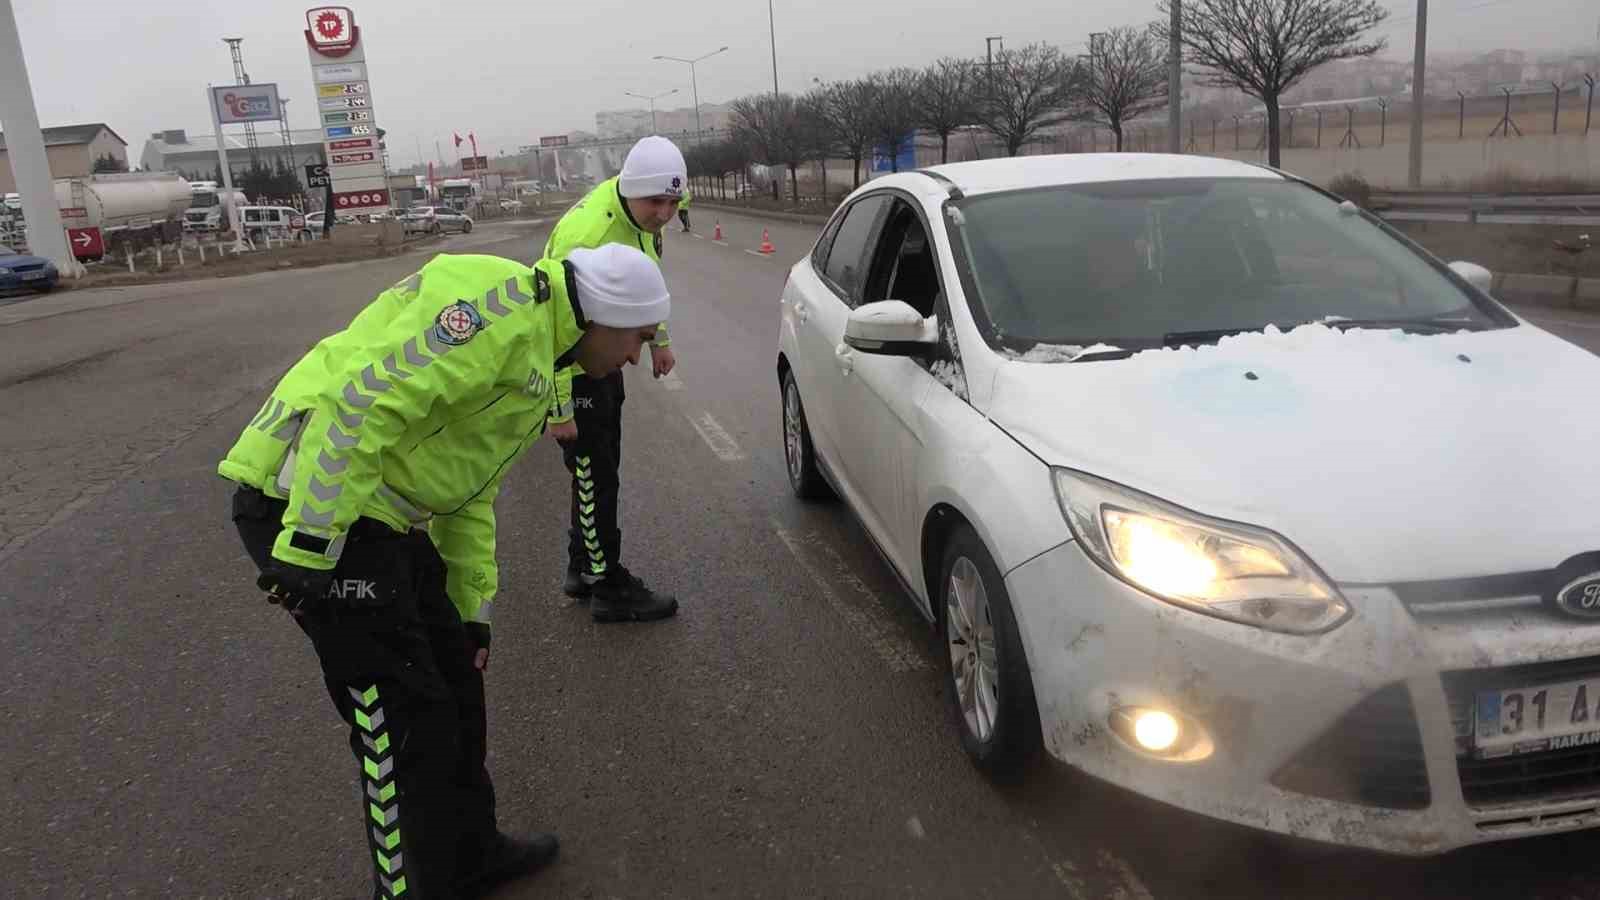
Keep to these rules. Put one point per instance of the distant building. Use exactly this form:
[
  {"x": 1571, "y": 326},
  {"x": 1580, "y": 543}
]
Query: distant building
[
  {"x": 177, "y": 151},
  {"x": 71, "y": 151},
  {"x": 673, "y": 123}
]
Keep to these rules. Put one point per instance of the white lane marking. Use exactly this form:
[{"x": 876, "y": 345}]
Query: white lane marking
[
  {"x": 671, "y": 382},
  {"x": 697, "y": 235},
  {"x": 915, "y": 829},
  {"x": 1131, "y": 888},
  {"x": 720, "y": 243},
  {"x": 756, "y": 253},
  {"x": 719, "y": 440},
  {"x": 868, "y": 622}
]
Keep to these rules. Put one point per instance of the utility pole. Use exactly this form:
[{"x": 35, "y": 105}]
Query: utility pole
[
  {"x": 1418, "y": 96},
  {"x": 240, "y": 76},
  {"x": 1175, "y": 80},
  {"x": 772, "y": 29},
  {"x": 694, "y": 84},
  {"x": 26, "y": 153},
  {"x": 652, "y": 100},
  {"x": 988, "y": 52}
]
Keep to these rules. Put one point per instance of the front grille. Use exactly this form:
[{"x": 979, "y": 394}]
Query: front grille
[
  {"x": 1543, "y": 776},
  {"x": 1372, "y": 757},
  {"x": 30, "y": 267}
]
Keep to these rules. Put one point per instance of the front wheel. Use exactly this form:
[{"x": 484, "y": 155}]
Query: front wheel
[
  {"x": 805, "y": 478},
  {"x": 466, "y": 227},
  {"x": 986, "y": 680}
]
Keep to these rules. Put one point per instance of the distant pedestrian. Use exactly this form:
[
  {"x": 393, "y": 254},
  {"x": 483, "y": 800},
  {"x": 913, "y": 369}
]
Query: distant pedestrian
[{"x": 683, "y": 209}]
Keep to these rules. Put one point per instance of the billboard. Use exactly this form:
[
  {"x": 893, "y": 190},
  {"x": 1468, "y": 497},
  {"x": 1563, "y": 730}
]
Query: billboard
[
  {"x": 474, "y": 163},
  {"x": 246, "y": 103},
  {"x": 554, "y": 140},
  {"x": 336, "y": 50}
]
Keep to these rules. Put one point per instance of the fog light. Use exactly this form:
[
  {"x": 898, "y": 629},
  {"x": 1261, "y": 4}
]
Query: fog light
[
  {"x": 1167, "y": 735},
  {"x": 1155, "y": 730}
]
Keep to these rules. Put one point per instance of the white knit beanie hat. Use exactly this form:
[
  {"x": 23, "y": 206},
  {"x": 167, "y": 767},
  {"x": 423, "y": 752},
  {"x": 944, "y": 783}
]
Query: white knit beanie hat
[
  {"x": 654, "y": 168},
  {"x": 618, "y": 286}
]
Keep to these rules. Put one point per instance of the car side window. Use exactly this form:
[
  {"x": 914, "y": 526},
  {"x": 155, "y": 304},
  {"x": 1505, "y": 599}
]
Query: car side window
[
  {"x": 847, "y": 258},
  {"x": 903, "y": 266},
  {"x": 819, "y": 254}
]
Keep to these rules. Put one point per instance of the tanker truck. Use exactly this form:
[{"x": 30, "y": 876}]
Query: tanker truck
[
  {"x": 131, "y": 210},
  {"x": 210, "y": 207}
]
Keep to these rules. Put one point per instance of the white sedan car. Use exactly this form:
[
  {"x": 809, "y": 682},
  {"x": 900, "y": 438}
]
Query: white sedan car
[{"x": 1218, "y": 489}]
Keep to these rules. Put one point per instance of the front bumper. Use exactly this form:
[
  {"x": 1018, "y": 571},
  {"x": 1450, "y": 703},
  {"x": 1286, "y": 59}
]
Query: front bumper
[{"x": 1350, "y": 737}]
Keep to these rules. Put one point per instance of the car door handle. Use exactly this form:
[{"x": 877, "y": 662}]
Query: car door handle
[
  {"x": 800, "y": 311},
  {"x": 845, "y": 358}
]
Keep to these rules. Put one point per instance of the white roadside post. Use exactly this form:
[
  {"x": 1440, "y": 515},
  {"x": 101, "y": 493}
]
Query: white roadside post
[{"x": 25, "y": 143}]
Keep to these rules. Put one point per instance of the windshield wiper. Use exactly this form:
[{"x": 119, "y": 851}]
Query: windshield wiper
[
  {"x": 1206, "y": 336},
  {"x": 1418, "y": 326}
]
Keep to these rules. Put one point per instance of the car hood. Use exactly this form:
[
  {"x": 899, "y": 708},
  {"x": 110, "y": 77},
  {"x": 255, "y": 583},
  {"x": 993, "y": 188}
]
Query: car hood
[
  {"x": 19, "y": 260},
  {"x": 1385, "y": 456}
]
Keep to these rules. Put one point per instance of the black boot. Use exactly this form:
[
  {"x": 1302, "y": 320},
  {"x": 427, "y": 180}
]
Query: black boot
[
  {"x": 621, "y": 597},
  {"x": 507, "y": 859},
  {"x": 575, "y": 586}
]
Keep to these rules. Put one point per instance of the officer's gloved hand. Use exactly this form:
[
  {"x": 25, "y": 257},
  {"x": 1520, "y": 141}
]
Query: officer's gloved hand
[
  {"x": 478, "y": 634},
  {"x": 293, "y": 587}
]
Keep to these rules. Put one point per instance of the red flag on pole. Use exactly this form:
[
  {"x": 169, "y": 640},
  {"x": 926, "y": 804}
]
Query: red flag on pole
[{"x": 457, "y": 137}]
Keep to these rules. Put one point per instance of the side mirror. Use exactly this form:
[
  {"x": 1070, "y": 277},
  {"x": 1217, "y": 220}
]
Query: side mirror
[
  {"x": 890, "y": 328},
  {"x": 1475, "y": 275}
]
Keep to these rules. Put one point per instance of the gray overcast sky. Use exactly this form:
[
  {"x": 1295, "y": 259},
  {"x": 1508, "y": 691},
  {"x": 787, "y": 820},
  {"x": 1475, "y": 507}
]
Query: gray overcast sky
[{"x": 511, "y": 71}]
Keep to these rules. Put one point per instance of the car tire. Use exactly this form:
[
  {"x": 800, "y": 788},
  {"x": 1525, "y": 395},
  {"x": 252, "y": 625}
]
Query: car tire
[
  {"x": 799, "y": 456},
  {"x": 436, "y": 229},
  {"x": 466, "y": 227},
  {"x": 990, "y": 692}
]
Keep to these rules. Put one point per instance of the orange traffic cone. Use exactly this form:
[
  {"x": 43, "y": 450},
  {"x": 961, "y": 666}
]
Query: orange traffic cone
[
  {"x": 766, "y": 243},
  {"x": 717, "y": 235}
]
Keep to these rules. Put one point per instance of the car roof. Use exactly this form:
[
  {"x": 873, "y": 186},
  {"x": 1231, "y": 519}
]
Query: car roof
[{"x": 991, "y": 175}]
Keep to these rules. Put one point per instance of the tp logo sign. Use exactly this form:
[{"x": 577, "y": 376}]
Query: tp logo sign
[{"x": 331, "y": 30}]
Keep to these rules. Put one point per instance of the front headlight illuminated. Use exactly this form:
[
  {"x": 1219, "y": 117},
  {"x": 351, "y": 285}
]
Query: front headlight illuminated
[{"x": 1223, "y": 569}]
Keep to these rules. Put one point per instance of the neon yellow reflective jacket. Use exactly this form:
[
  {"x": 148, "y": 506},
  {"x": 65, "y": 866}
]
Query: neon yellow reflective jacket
[
  {"x": 413, "y": 414},
  {"x": 600, "y": 218}
]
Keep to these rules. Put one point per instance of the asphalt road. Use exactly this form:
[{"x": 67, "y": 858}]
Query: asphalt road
[{"x": 166, "y": 732}]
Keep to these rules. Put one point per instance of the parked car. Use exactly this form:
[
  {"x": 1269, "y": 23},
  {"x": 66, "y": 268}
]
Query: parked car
[
  {"x": 511, "y": 206},
  {"x": 281, "y": 223},
  {"x": 435, "y": 219},
  {"x": 19, "y": 270},
  {"x": 1218, "y": 488},
  {"x": 314, "y": 221}
]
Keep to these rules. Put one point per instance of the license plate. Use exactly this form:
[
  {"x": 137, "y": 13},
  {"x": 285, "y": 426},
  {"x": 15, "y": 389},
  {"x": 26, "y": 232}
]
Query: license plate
[
  {"x": 34, "y": 276},
  {"x": 1534, "y": 719}
]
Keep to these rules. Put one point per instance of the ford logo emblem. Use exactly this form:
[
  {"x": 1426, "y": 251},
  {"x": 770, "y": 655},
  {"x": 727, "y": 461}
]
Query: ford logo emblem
[{"x": 1581, "y": 596}]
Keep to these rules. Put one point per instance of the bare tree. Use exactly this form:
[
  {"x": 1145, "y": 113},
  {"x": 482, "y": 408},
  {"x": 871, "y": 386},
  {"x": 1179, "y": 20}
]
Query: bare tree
[
  {"x": 1026, "y": 90},
  {"x": 769, "y": 125},
  {"x": 944, "y": 100},
  {"x": 849, "y": 109},
  {"x": 1127, "y": 78},
  {"x": 892, "y": 111},
  {"x": 1262, "y": 47},
  {"x": 818, "y": 134}
]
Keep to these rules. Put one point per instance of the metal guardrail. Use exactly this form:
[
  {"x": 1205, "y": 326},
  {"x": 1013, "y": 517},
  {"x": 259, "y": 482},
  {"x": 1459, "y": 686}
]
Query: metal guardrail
[{"x": 1486, "y": 208}]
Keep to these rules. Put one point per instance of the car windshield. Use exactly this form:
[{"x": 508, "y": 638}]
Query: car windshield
[{"x": 1174, "y": 261}]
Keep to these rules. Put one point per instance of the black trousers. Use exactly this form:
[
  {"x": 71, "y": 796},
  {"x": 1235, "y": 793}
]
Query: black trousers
[
  {"x": 398, "y": 665},
  {"x": 595, "y": 541},
  {"x": 683, "y": 216}
]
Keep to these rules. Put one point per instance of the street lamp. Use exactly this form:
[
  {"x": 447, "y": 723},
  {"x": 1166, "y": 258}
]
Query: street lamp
[
  {"x": 694, "y": 83},
  {"x": 652, "y": 104}
]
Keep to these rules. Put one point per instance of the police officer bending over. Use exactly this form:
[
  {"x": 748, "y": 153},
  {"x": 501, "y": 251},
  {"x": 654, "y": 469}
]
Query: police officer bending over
[{"x": 366, "y": 499}]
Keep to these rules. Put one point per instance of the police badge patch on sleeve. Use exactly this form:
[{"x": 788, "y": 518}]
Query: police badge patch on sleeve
[{"x": 457, "y": 323}]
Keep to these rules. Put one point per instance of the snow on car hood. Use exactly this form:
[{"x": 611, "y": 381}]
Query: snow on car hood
[{"x": 1385, "y": 456}]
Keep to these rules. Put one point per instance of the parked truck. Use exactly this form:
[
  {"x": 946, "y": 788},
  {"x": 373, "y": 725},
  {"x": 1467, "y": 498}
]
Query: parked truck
[
  {"x": 210, "y": 207},
  {"x": 132, "y": 209}
]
